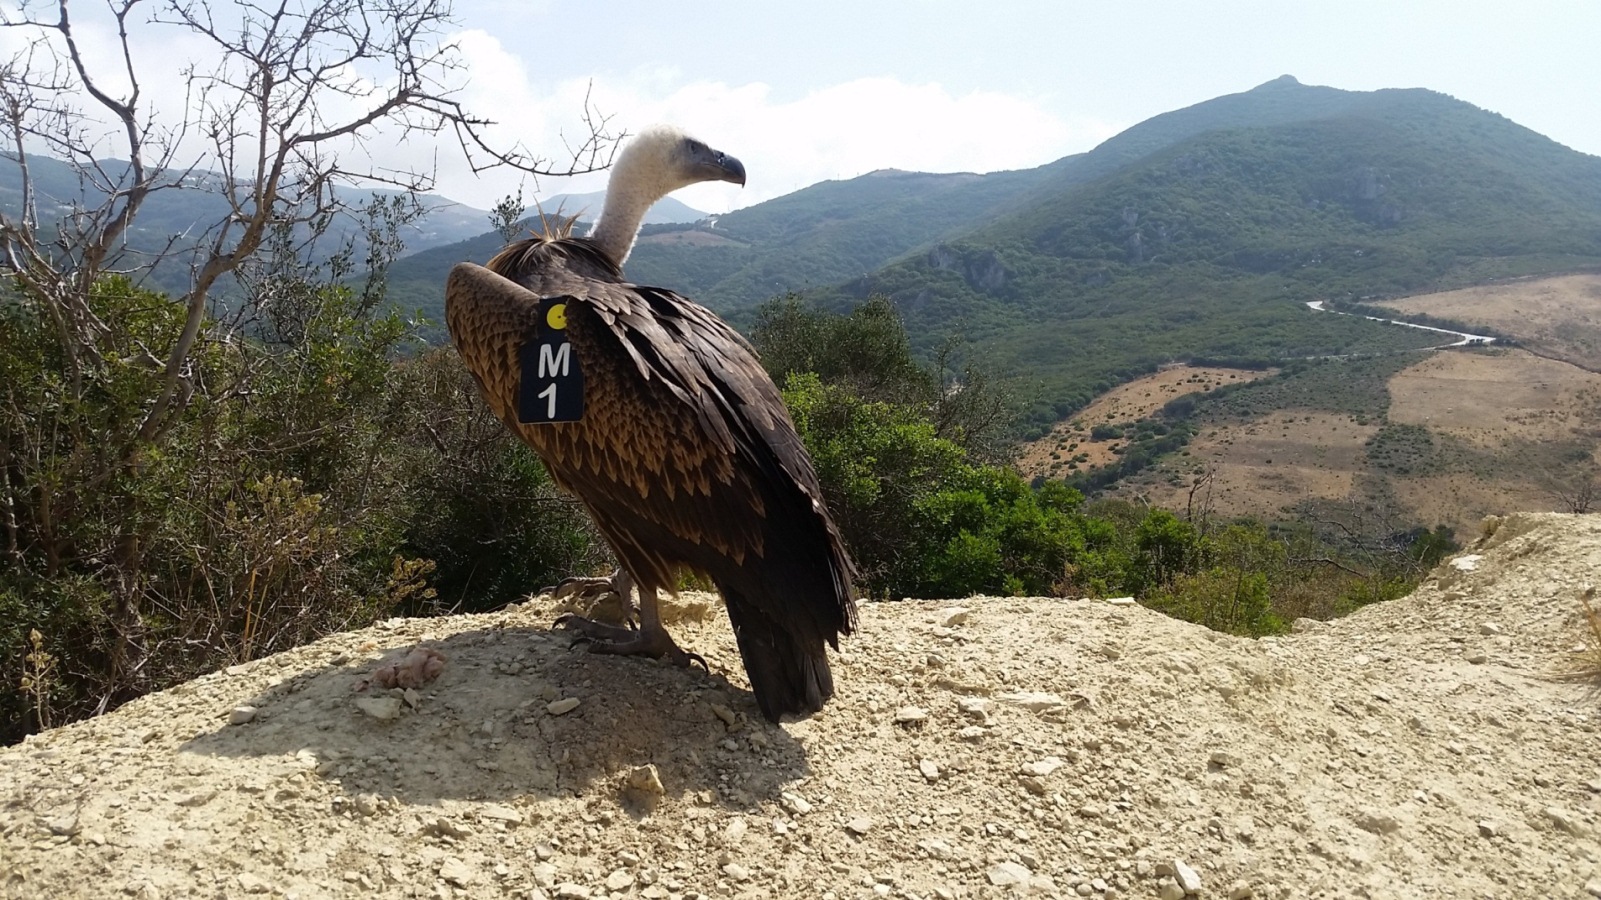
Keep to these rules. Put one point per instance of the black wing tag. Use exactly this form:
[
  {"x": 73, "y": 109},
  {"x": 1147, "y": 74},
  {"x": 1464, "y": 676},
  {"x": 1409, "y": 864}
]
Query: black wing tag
[{"x": 552, "y": 384}]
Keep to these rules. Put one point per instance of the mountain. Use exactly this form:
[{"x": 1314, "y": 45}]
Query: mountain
[
  {"x": 194, "y": 204},
  {"x": 667, "y": 210},
  {"x": 1195, "y": 234},
  {"x": 1207, "y": 245}
]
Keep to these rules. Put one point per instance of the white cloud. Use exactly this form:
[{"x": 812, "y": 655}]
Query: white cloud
[{"x": 834, "y": 132}]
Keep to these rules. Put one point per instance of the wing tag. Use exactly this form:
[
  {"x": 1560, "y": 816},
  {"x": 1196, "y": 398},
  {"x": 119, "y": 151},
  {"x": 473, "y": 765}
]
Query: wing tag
[{"x": 552, "y": 388}]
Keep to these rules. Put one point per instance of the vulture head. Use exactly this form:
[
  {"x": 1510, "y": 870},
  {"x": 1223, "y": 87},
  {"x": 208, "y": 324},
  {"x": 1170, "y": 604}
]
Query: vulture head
[{"x": 659, "y": 160}]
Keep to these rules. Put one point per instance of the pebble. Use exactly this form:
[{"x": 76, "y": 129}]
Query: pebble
[
  {"x": 953, "y": 616},
  {"x": 455, "y": 871},
  {"x": 1008, "y": 873},
  {"x": 729, "y": 717},
  {"x": 910, "y": 715},
  {"x": 859, "y": 825},
  {"x": 1188, "y": 879},
  {"x": 1043, "y": 767},
  {"x": 735, "y": 832},
  {"x": 1170, "y": 890},
  {"x": 1489, "y": 828},
  {"x": 1223, "y": 759},
  {"x": 1241, "y": 891},
  {"x": 567, "y": 890},
  {"x": 929, "y": 769},
  {"x": 794, "y": 803},
  {"x": 646, "y": 778},
  {"x": 381, "y": 708},
  {"x": 1489, "y": 628},
  {"x": 239, "y": 715},
  {"x": 619, "y": 880},
  {"x": 1593, "y": 886},
  {"x": 1120, "y": 601},
  {"x": 251, "y": 884},
  {"x": 736, "y": 871},
  {"x": 562, "y": 707},
  {"x": 501, "y": 814}
]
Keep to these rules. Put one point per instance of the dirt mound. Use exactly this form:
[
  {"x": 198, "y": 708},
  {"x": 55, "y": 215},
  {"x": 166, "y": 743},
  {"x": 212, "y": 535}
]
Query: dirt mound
[{"x": 1419, "y": 748}]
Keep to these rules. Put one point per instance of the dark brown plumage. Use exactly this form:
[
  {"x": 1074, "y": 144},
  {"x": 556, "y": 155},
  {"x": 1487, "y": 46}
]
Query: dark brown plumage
[{"x": 684, "y": 455}]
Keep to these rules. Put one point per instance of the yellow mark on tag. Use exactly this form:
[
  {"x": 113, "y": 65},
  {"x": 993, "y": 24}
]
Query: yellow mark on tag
[{"x": 557, "y": 316}]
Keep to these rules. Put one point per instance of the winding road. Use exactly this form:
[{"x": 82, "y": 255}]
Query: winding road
[{"x": 1465, "y": 339}]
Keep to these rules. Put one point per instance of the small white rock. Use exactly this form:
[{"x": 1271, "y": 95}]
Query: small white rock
[
  {"x": 794, "y": 803},
  {"x": 1042, "y": 767},
  {"x": 953, "y": 616},
  {"x": 562, "y": 707},
  {"x": 455, "y": 871},
  {"x": 239, "y": 715},
  {"x": 859, "y": 825},
  {"x": 381, "y": 708},
  {"x": 619, "y": 880},
  {"x": 911, "y": 715},
  {"x": 929, "y": 769},
  {"x": 1188, "y": 879},
  {"x": 1008, "y": 873},
  {"x": 646, "y": 778},
  {"x": 1120, "y": 601}
]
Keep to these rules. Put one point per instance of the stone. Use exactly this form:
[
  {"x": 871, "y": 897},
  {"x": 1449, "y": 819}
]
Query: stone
[
  {"x": 1008, "y": 873},
  {"x": 929, "y": 769},
  {"x": 568, "y": 890},
  {"x": 1120, "y": 601},
  {"x": 736, "y": 871},
  {"x": 619, "y": 880},
  {"x": 1042, "y": 767},
  {"x": 1241, "y": 891},
  {"x": 646, "y": 778},
  {"x": 911, "y": 715},
  {"x": 252, "y": 884},
  {"x": 239, "y": 715},
  {"x": 562, "y": 707},
  {"x": 455, "y": 871},
  {"x": 383, "y": 709},
  {"x": 953, "y": 616},
  {"x": 1188, "y": 879},
  {"x": 795, "y": 804},
  {"x": 1489, "y": 828},
  {"x": 501, "y": 814},
  {"x": 859, "y": 825}
]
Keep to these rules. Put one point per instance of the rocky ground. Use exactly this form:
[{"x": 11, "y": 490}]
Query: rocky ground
[{"x": 1427, "y": 747}]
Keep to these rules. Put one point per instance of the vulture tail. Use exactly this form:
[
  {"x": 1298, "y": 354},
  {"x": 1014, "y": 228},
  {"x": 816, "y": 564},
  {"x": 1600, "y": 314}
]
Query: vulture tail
[{"x": 788, "y": 673}]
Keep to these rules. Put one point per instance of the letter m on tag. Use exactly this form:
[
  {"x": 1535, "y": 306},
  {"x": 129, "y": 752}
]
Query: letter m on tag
[{"x": 552, "y": 388}]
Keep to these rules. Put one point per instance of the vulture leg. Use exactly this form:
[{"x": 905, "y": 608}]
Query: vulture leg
[{"x": 651, "y": 639}]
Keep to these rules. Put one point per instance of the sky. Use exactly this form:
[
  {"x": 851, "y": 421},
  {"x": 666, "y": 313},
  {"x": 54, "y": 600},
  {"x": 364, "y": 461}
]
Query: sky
[{"x": 804, "y": 92}]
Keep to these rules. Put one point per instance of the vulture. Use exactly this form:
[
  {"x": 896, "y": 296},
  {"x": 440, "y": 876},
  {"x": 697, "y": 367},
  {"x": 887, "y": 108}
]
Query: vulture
[{"x": 660, "y": 419}]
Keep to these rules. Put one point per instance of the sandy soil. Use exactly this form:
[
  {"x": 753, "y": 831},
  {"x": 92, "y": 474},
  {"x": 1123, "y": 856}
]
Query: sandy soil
[
  {"x": 1125, "y": 403},
  {"x": 1558, "y": 316},
  {"x": 991, "y": 748},
  {"x": 1489, "y": 399},
  {"x": 1265, "y": 467}
]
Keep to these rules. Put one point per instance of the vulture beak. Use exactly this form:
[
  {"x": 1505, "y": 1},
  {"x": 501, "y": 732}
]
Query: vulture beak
[{"x": 716, "y": 165}]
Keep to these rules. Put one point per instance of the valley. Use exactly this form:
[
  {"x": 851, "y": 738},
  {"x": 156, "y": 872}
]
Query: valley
[{"x": 1454, "y": 435}]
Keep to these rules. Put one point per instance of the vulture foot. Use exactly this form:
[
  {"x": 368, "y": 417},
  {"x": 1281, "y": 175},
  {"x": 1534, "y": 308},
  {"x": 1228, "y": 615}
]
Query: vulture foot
[{"x": 613, "y": 640}]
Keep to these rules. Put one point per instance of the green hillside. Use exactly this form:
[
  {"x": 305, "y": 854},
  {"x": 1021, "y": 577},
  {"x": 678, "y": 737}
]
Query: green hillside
[
  {"x": 1197, "y": 234},
  {"x": 1208, "y": 248}
]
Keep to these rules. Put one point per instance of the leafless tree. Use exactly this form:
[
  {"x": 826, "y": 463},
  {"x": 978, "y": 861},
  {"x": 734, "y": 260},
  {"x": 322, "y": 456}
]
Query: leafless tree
[{"x": 270, "y": 121}]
